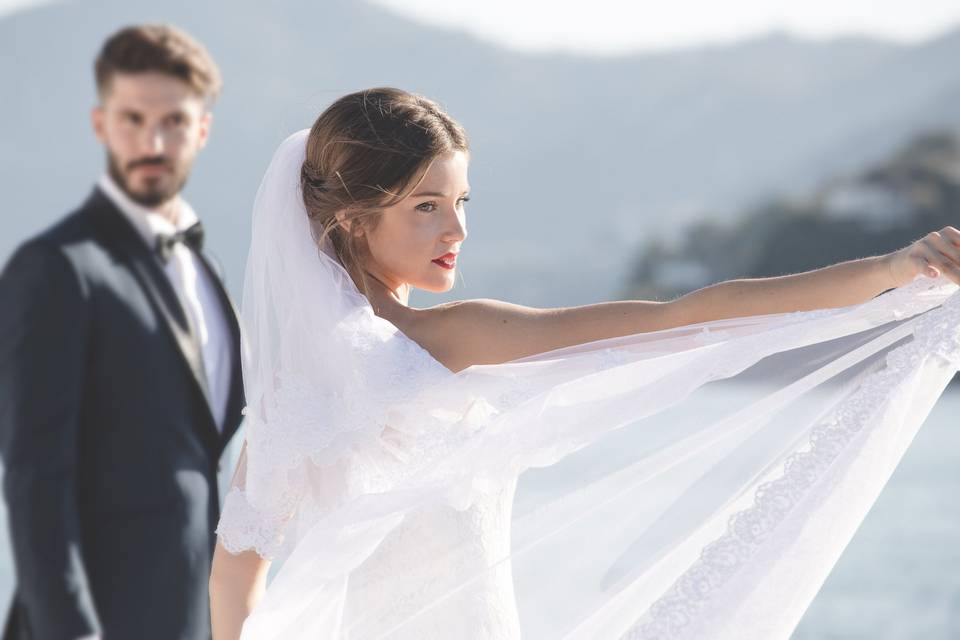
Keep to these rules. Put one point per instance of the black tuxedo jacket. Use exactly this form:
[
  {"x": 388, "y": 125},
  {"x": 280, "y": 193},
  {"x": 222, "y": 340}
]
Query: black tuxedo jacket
[{"x": 110, "y": 451}]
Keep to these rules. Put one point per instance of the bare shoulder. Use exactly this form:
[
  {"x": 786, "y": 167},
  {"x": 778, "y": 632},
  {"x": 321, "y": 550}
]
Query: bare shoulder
[
  {"x": 481, "y": 311},
  {"x": 467, "y": 332}
]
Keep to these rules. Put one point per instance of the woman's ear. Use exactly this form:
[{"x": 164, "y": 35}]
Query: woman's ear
[
  {"x": 343, "y": 222},
  {"x": 352, "y": 227}
]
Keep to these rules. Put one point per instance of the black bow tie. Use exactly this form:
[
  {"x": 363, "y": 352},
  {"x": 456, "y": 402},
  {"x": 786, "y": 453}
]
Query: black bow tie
[{"x": 192, "y": 236}]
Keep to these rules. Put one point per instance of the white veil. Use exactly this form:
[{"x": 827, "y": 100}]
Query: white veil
[{"x": 697, "y": 482}]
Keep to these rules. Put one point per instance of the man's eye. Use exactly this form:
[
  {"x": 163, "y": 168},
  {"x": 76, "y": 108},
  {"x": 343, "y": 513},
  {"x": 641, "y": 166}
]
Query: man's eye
[
  {"x": 176, "y": 119},
  {"x": 132, "y": 118},
  {"x": 428, "y": 207}
]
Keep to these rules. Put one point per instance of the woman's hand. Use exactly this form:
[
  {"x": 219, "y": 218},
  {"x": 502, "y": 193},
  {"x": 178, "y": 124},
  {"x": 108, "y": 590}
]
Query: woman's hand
[{"x": 936, "y": 253}]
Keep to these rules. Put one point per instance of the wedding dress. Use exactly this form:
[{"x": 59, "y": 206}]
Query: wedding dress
[{"x": 692, "y": 483}]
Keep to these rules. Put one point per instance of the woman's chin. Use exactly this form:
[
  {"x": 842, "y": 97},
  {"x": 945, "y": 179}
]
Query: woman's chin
[{"x": 436, "y": 286}]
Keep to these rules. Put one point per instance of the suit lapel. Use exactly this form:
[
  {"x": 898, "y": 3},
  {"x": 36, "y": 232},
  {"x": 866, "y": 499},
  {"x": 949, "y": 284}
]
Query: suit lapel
[{"x": 146, "y": 267}]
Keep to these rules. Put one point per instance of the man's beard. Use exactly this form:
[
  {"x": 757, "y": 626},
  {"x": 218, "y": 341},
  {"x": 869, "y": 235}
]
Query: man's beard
[{"x": 155, "y": 193}]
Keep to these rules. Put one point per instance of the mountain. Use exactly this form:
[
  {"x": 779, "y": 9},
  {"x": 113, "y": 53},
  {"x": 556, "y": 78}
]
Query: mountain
[
  {"x": 576, "y": 161},
  {"x": 875, "y": 210}
]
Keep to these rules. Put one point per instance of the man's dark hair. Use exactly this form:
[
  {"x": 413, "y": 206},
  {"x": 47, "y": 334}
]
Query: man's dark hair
[{"x": 162, "y": 48}]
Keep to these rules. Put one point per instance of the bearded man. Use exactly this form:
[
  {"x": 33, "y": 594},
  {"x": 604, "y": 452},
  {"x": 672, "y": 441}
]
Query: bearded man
[{"x": 120, "y": 371}]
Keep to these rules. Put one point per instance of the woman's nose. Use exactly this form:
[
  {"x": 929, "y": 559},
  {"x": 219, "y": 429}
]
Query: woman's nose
[{"x": 457, "y": 229}]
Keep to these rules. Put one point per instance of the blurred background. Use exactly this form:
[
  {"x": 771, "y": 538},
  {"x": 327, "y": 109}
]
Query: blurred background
[{"x": 618, "y": 149}]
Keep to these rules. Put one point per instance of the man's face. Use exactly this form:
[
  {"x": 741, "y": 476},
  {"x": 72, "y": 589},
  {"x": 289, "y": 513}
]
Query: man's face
[{"x": 152, "y": 125}]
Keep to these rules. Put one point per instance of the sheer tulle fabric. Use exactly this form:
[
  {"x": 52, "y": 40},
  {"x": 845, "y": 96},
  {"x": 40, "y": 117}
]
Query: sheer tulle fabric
[{"x": 698, "y": 482}]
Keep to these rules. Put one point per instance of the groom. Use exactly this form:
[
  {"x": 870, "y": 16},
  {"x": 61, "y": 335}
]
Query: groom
[{"x": 119, "y": 371}]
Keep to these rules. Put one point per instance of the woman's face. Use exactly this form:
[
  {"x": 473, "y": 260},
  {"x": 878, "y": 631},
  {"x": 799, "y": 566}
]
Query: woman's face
[{"x": 416, "y": 241}]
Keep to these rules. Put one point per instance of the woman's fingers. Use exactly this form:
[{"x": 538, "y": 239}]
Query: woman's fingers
[
  {"x": 942, "y": 242},
  {"x": 951, "y": 234},
  {"x": 932, "y": 253},
  {"x": 935, "y": 254}
]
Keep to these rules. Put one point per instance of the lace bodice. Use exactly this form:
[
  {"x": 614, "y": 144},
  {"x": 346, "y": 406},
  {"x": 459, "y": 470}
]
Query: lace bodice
[{"x": 417, "y": 562}]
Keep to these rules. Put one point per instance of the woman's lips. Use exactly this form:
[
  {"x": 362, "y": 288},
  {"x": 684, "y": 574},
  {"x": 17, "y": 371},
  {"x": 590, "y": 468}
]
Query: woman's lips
[{"x": 446, "y": 261}]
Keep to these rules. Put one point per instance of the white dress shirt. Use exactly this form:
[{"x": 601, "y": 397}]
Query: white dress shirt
[{"x": 197, "y": 294}]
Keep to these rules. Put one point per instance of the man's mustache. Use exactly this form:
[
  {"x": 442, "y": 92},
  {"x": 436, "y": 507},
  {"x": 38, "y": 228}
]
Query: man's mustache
[{"x": 148, "y": 162}]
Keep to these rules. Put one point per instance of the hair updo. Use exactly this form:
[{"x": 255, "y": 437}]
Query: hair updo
[{"x": 365, "y": 152}]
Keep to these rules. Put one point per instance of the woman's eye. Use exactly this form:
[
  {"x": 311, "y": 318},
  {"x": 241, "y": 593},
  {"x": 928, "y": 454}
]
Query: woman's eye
[
  {"x": 427, "y": 207},
  {"x": 463, "y": 200}
]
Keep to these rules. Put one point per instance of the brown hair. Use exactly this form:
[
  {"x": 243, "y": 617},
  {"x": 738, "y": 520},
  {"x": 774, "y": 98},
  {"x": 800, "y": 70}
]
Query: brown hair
[
  {"x": 365, "y": 152},
  {"x": 158, "y": 47}
]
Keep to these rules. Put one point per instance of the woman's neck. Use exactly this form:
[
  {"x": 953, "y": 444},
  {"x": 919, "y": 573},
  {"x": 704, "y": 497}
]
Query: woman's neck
[{"x": 379, "y": 292}]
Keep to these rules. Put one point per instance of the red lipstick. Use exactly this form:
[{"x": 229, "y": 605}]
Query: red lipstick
[{"x": 446, "y": 261}]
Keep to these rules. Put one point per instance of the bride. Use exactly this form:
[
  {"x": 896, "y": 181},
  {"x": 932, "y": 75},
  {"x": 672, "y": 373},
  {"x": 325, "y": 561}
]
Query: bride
[{"x": 384, "y": 443}]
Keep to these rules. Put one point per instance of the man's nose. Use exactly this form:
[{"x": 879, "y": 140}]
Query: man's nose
[{"x": 152, "y": 141}]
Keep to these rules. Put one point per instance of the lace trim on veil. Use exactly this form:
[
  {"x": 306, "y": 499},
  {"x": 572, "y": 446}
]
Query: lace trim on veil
[{"x": 747, "y": 530}]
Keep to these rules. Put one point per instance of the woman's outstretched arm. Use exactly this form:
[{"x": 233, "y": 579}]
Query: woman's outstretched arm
[{"x": 488, "y": 331}]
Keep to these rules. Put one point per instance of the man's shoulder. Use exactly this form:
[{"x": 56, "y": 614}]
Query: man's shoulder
[
  {"x": 74, "y": 228},
  {"x": 70, "y": 236}
]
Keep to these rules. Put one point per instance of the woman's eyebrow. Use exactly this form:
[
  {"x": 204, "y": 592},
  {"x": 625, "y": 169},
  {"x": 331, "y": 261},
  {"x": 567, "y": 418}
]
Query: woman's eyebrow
[{"x": 434, "y": 194}]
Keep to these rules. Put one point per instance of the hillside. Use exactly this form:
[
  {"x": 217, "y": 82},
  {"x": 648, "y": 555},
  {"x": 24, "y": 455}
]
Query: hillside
[{"x": 876, "y": 210}]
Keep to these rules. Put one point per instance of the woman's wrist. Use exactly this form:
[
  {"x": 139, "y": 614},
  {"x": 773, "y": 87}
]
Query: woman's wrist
[{"x": 886, "y": 273}]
